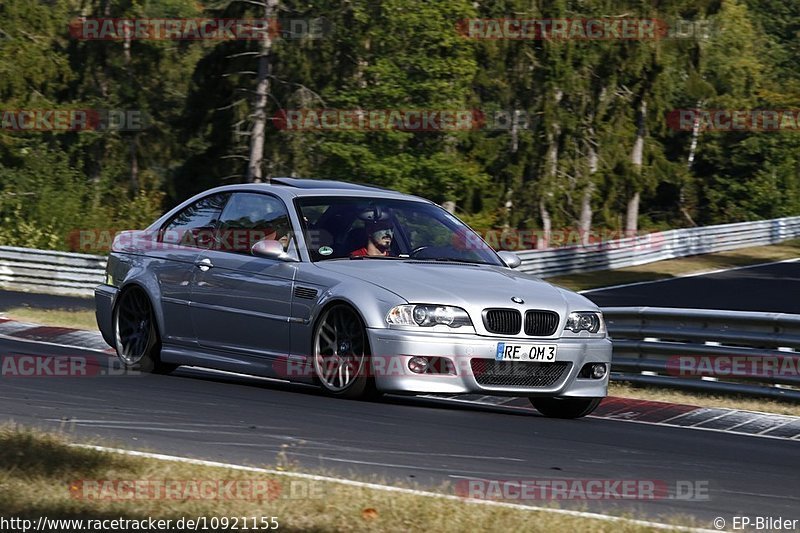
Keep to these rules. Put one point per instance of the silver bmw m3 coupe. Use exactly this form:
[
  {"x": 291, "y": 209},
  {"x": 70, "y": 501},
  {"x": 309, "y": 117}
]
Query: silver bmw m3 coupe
[{"x": 357, "y": 289}]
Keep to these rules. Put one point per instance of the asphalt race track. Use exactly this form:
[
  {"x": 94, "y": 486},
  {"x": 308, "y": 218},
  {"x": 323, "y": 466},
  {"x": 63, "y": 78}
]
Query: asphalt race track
[
  {"x": 425, "y": 442},
  {"x": 773, "y": 288}
]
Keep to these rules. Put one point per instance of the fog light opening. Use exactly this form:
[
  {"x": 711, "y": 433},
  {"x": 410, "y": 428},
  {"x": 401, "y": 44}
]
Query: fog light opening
[
  {"x": 418, "y": 365},
  {"x": 598, "y": 371},
  {"x": 593, "y": 371}
]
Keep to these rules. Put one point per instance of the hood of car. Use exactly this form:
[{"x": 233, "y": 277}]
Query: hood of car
[{"x": 456, "y": 284}]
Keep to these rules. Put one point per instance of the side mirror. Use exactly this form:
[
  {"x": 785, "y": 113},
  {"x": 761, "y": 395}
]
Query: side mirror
[
  {"x": 270, "y": 249},
  {"x": 511, "y": 259}
]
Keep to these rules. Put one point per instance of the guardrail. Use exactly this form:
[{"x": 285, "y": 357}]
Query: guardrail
[
  {"x": 657, "y": 246},
  {"x": 77, "y": 274},
  {"x": 50, "y": 272},
  {"x": 708, "y": 350}
]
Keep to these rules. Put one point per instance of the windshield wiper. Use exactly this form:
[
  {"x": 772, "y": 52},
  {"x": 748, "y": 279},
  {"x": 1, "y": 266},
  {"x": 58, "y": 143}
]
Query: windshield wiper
[
  {"x": 375, "y": 257},
  {"x": 452, "y": 260}
]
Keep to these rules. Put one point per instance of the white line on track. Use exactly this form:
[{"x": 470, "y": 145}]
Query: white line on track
[
  {"x": 692, "y": 275},
  {"x": 694, "y": 428},
  {"x": 776, "y": 427},
  {"x": 171, "y": 424},
  {"x": 399, "y": 490},
  {"x": 315, "y": 445},
  {"x": 662, "y": 424},
  {"x": 57, "y": 345},
  {"x": 696, "y": 425}
]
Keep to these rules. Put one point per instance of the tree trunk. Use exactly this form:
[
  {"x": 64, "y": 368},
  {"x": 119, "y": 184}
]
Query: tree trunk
[
  {"x": 126, "y": 46},
  {"x": 547, "y": 226},
  {"x": 637, "y": 156},
  {"x": 256, "y": 159},
  {"x": 632, "y": 215},
  {"x": 508, "y": 206},
  {"x": 585, "y": 221},
  {"x": 551, "y": 173},
  {"x": 514, "y": 134},
  {"x": 695, "y": 137},
  {"x": 689, "y": 163},
  {"x": 134, "y": 166}
]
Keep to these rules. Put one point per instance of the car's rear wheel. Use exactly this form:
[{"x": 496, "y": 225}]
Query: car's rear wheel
[
  {"x": 136, "y": 334},
  {"x": 565, "y": 407},
  {"x": 341, "y": 353}
]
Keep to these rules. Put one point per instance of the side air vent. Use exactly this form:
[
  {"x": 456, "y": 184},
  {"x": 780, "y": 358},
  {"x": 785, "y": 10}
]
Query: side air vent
[{"x": 306, "y": 293}]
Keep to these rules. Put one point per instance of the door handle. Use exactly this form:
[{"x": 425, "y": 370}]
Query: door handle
[{"x": 204, "y": 264}]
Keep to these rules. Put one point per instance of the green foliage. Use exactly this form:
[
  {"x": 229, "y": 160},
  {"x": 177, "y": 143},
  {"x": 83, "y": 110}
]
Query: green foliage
[
  {"x": 580, "y": 99},
  {"x": 45, "y": 202}
]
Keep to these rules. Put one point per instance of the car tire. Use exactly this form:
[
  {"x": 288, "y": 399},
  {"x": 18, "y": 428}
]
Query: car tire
[
  {"x": 136, "y": 337},
  {"x": 565, "y": 407},
  {"x": 340, "y": 349}
]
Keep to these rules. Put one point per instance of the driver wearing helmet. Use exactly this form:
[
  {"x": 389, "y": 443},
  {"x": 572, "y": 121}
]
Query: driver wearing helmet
[{"x": 379, "y": 239}]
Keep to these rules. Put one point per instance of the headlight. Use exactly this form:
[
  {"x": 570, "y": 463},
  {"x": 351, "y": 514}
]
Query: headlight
[
  {"x": 428, "y": 316},
  {"x": 588, "y": 321}
]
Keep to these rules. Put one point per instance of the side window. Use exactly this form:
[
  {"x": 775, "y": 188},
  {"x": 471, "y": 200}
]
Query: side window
[
  {"x": 195, "y": 225},
  {"x": 251, "y": 217}
]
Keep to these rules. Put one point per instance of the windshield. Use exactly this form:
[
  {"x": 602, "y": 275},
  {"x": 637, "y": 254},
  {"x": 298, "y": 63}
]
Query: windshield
[{"x": 381, "y": 228}]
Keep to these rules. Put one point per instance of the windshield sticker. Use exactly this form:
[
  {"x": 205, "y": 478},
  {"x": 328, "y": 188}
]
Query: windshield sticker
[{"x": 325, "y": 250}]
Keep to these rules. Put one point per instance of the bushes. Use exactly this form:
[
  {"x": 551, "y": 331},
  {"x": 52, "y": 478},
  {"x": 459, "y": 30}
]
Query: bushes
[{"x": 45, "y": 201}]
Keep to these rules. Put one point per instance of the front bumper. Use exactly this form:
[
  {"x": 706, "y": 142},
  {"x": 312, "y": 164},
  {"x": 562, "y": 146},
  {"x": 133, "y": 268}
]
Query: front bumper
[{"x": 392, "y": 349}]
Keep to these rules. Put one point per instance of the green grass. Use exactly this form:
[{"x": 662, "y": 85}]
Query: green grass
[
  {"x": 40, "y": 475},
  {"x": 67, "y": 318}
]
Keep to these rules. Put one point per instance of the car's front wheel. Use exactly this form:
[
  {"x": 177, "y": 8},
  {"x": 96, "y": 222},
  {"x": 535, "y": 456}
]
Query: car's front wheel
[
  {"x": 565, "y": 407},
  {"x": 341, "y": 353},
  {"x": 136, "y": 334}
]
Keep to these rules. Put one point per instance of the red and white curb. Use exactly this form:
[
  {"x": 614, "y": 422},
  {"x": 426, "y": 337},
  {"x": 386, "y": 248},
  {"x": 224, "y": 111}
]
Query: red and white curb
[
  {"x": 736, "y": 421},
  {"x": 751, "y": 423},
  {"x": 54, "y": 336}
]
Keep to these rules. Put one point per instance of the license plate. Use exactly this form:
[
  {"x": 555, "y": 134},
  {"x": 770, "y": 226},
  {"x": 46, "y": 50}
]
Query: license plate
[{"x": 543, "y": 353}]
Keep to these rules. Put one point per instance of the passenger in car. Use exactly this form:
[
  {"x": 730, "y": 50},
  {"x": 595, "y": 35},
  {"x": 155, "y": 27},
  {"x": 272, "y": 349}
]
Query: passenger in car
[{"x": 283, "y": 235}]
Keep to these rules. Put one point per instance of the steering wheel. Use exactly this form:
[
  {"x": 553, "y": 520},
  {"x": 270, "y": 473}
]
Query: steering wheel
[{"x": 417, "y": 250}]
